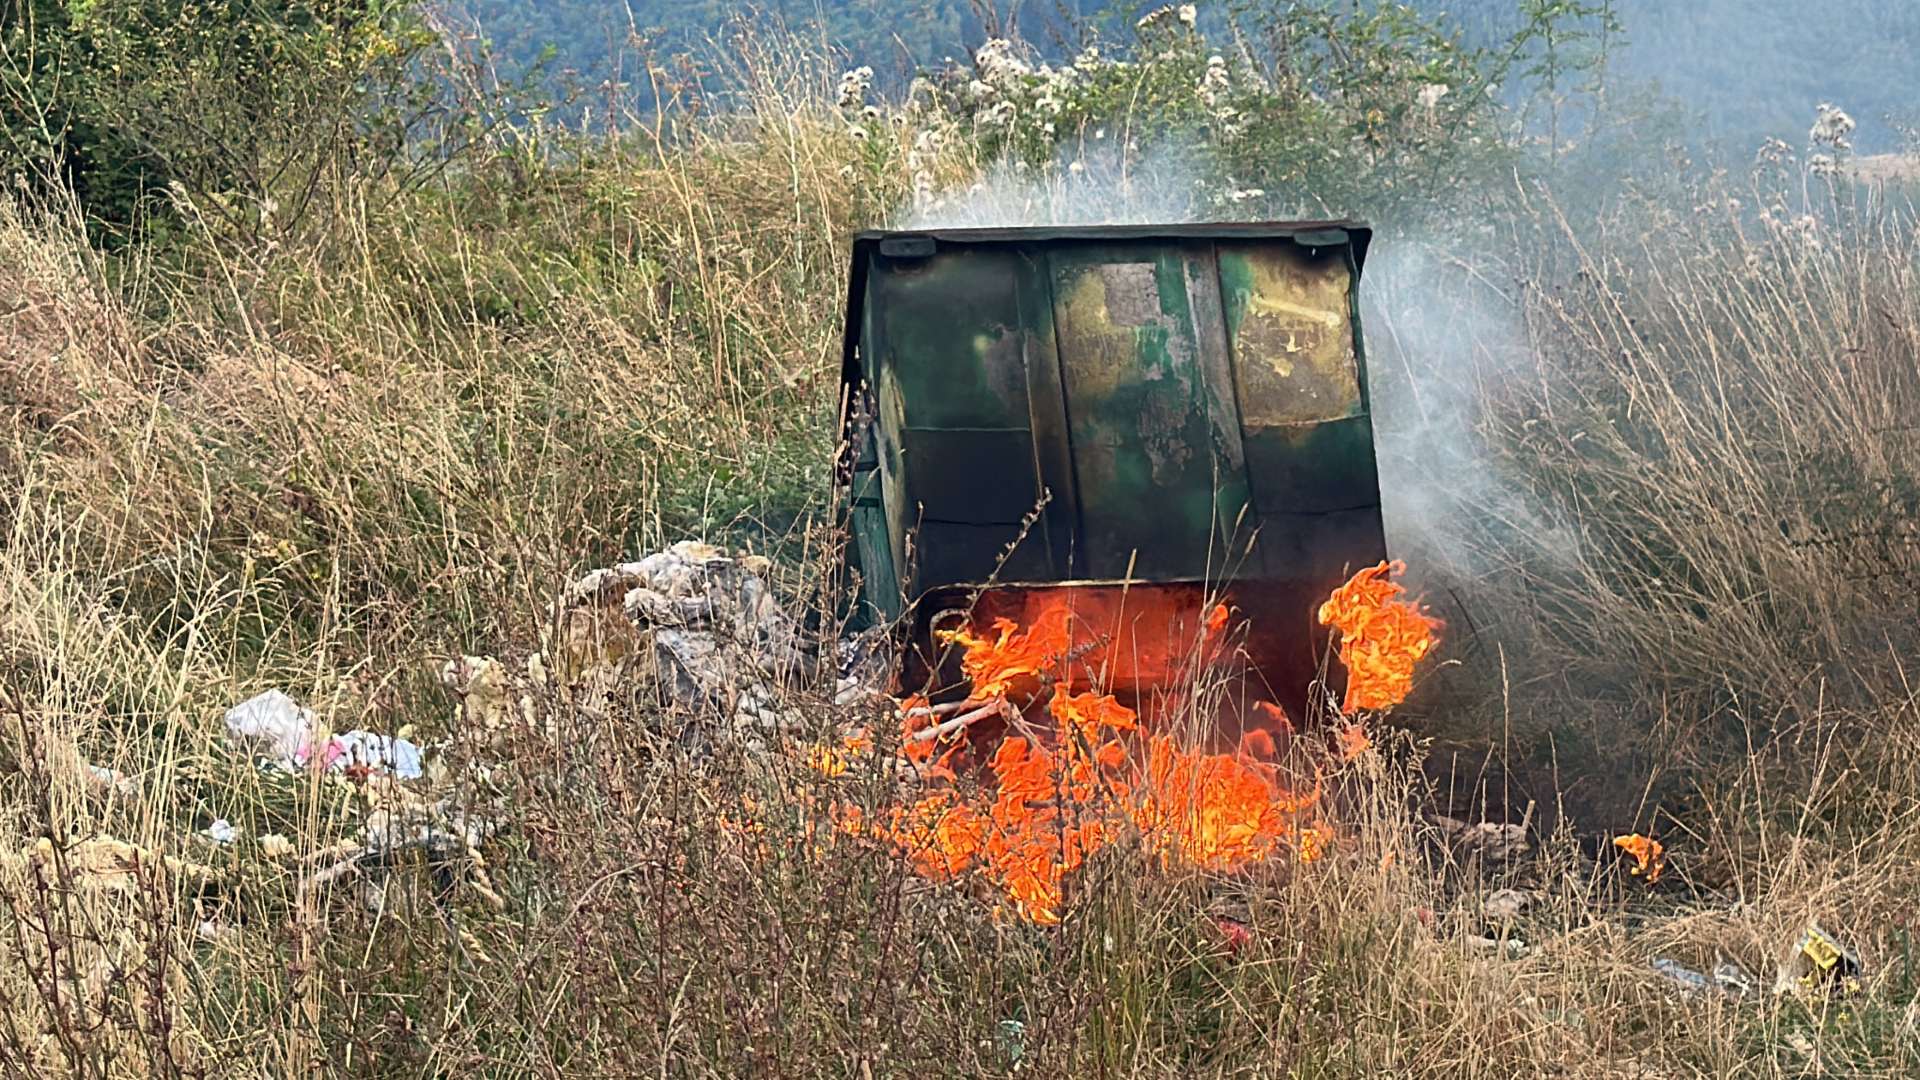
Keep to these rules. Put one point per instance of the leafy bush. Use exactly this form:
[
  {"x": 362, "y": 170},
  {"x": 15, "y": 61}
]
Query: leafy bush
[
  {"x": 1310, "y": 110},
  {"x": 241, "y": 112}
]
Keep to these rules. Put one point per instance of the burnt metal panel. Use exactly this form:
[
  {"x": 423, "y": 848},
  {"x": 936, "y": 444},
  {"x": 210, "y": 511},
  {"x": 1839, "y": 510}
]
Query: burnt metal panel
[
  {"x": 981, "y": 475},
  {"x": 946, "y": 352},
  {"x": 1046, "y": 399},
  {"x": 955, "y": 551},
  {"x": 948, "y": 333}
]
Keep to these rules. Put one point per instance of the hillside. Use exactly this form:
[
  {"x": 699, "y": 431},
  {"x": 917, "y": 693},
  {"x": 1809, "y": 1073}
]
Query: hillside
[{"x": 1742, "y": 70}]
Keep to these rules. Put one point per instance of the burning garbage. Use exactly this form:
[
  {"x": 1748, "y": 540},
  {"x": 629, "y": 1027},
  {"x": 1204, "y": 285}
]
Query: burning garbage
[
  {"x": 1649, "y": 856},
  {"x": 1021, "y": 771},
  {"x": 1075, "y": 769}
]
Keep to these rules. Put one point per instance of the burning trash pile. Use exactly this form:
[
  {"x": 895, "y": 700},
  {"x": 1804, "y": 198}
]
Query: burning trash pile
[
  {"x": 1049, "y": 748},
  {"x": 1075, "y": 769}
]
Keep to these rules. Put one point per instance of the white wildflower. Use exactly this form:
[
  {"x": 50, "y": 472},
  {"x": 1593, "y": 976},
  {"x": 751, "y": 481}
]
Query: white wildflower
[
  {"x": 1215, "y": 82},
  {"x": 922, "y": 93},
  {"x": 997, "y": 64},
  {"x": 1431, "y": 93},
  {"x": 1802, "y": 229},
  {"x": 999, "y": 114},
  {"x": 1773, "y": 152},
  {"x": 921, "y": 158},
  {"x": 1184, "y": 13},
  {"x": 854, "y": 86},
  {"x": 1831, "y": 127},
  {"x": 1822, "y": 165}
]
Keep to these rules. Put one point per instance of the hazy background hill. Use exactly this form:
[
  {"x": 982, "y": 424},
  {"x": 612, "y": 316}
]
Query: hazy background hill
[{"x": 1741, "y": 70}]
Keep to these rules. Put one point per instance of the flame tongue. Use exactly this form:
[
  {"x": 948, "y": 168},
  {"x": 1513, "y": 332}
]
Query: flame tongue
[
  {"x": 1012, "y": 657},
  {"x": 1215, "y": 810},
  {"x": 1382, "y": 637},
  {"x": 1649, "y": 855}
]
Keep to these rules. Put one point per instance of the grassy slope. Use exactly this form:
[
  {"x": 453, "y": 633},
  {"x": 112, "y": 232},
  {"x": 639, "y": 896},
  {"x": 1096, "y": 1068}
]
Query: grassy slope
[{"x": 330, "y": 471}]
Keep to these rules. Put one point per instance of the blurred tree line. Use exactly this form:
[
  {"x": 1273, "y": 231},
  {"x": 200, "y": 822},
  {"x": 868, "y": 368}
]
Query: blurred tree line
[
  {"x": 1742, "y": 70},
  {"x": 240, "y": 116},
  {"x": 893, "y": 36}
]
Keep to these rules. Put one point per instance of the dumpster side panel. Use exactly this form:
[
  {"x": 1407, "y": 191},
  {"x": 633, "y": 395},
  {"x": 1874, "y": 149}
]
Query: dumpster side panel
[
  {"x": 1093, "y": 404},
  {"x": 1154, "y": 479},
  {"x": 948, "y": 350},
  {"x": 873, "y": 476},
  {"x": 1289, "y": 313}
]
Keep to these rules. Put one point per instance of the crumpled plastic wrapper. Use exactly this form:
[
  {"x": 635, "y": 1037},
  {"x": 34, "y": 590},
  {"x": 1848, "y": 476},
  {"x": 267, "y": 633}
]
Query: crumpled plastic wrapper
[{"x": 276, "y": 727}]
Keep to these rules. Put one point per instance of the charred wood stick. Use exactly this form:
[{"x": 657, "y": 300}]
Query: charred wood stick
[
  {"x": 946, "y": 709},
  {"x": 948, "y": 727}
]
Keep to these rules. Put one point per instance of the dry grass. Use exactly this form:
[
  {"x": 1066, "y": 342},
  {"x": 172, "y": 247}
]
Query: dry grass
[{"x": 331, "y": 470}]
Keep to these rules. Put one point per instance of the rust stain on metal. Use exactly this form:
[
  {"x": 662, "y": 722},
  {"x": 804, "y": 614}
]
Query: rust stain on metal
[
  {"x": 1163, "y": 432},
  {"x": 1132, "y": 296},
  {"x": 1294, "y": 337},
  {"x": 1114, "y": 317}
]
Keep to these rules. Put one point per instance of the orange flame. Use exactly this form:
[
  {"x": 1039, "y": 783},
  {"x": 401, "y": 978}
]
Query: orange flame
[
  {"x": 1215, "y": 810},
  {"x": 836, "y": 760},
  {"x": 1352, "y": 741},
  {"x": 1649, "y": 855},
  {"x": 1012, "y": 658},
  {"x": 1381, "y": 637},
  {"x": 943, "y": 837},
  {"x": 1216, "y": 620},
  {"x": 1054, "y": 800}
]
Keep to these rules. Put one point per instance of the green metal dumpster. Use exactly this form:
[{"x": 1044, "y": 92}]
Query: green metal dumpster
[{"x": 1140, "y": 405}]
